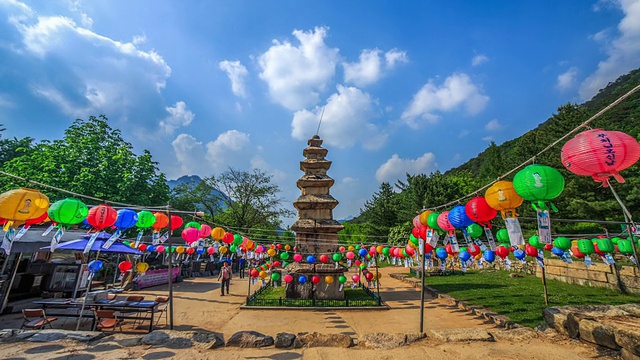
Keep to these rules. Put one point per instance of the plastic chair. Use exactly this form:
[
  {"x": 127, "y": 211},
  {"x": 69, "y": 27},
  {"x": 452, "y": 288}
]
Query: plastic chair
[
  {"x": 36, "y": 319},
  {"x": 107, "y": 319},
  {"x": 163, "y": 304}
]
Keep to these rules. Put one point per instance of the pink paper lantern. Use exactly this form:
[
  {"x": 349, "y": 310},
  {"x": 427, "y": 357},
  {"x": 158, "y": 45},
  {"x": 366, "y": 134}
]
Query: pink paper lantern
[
  {"x": 205, "y": 230},
  {"x": 190, "y": 235},
  {"x": 443, "y": 222},
  {"x": 600, "y": 154},
  {"x": 297, "y": 257}
]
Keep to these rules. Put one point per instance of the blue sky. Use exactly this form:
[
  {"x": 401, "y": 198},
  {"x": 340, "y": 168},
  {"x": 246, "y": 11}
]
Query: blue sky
[{"x": 406, "y": 86}]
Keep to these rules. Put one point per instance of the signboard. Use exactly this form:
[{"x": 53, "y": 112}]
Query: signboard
[{"x": 157, "y": 277}]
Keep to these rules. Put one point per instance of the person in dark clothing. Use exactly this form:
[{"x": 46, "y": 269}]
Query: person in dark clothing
[
  {"x": 242, "y": 263},
  {"x": 225, "y": 275}
]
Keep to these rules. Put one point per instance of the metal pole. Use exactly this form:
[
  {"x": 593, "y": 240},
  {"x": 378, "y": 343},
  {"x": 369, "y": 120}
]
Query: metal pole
[
  {"x": 424, "y": 261},
  {"x": 544, "y": 285},
  {"x": 375, "y": 259},
  {"x": 170, "y": 271}
]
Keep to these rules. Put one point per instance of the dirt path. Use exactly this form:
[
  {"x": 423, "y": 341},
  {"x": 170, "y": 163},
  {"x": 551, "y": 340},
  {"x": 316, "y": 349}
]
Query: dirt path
[{"x": 198, "y": 305}]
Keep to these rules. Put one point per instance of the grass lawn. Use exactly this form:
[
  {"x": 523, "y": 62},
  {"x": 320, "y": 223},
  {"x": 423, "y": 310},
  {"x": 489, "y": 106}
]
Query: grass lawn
[{"x": 522, "y": 299}]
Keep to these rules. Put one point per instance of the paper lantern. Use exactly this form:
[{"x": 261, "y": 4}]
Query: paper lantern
[
  {"x": 102, "y": 216},
  {"x": 217, "y": 233},
  {"x": 502, "y": 251},
  {"x": 275, "y": 276},
  {"x": 205, "y": 230},
  {"x": 176, "y": 222},
  {"x": 328, "y": 279},
  {"x": 444, "y": 223},
  {"x": 489, "y": 256},
  {"x": 43, "y": 218},
  {"x": 474, "y": 230},
  {"x": 441, "y": 254},
  {"x": 531, "y": 250},
  {"x": 20, "y": 205},
  {"x": 228, "y": 238},
  {"x": 625, "y": 246},
  {"x": 562, "y": 243},
  {"x": 146, "y": 219},
  {"x": 125, "y": 266},
  {"x": 302, "y": 279},
  {"x": 600, "y": 154},
  {"x": 424, "y": 216},
  {"x": 190, "y": 235},
  {"x": 315, "y": 279},
  {"x": 311, "y": 259},
  {"x": 162, "y": 221},
  {"x": 458, "y": 217},
  {"x": 95, "y": 265},
  {"x": 605, "y": 245},
  {"x": 432, "y": 221},
  {"x": 68, "y": 212},
  {"x": 464, "y": 255},
  {"x": 539, "y": 183},
  {"x": 192, "y": 224},
  {"x": 504, "y": 198},
  {"x": 126, "y": 219},
  {"x": 478, "y": 210},
  {"x": 502, "y": 236},
  {"x": 142, "y": 267}
]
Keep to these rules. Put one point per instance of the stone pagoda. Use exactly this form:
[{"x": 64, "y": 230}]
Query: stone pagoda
[{"x": 316, "y": 230}]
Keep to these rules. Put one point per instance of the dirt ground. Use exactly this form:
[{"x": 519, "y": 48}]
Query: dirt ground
[{"x": 198, "y": 305}]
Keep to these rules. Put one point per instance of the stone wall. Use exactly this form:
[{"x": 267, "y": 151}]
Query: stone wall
[{"x": 617, "y": 277}]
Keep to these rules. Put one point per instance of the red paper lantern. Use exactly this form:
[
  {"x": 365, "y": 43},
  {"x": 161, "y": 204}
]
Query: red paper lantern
[
  {"x": 315, "y": 279},
  {"x": 449, "y": 249},
  {"x": 478, "y": 210},
  {"x": 255, "y": 273},
  {"x": 125, "y": 266},
  {"x": 190, "y": 251},
  {"x": 428, "y": 248},
  {"x": 548, "y": 247},
  {"x": 324, "y": 258},
  {"x": 102, "y": 216},
  {"x": 600, "y": 154},
  {"x": 176, "y": 222},
  {"x": 142, "y": 247},
  {"x": 228, "y": 238},
  {"x": 369, "y": 276},
  {"x": 531, "y": 251},
  {"x": 162, "y": 221},
  {"x": 502, "y": 252},
  {"x": 443, "y": 222}
]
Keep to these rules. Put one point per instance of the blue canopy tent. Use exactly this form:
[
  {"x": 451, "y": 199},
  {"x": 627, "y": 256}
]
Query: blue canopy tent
[{"x": 80, "y": 244}]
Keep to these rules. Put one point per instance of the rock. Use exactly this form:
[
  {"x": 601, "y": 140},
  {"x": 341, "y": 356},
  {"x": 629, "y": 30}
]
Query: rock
[
  {"x": 515, "y": 275},
  {"x": 459, "y": 335},
  {"x": 249, "y": 339},
  {"x": 628, "y": 355},
  {"x": 322, "y": 340},
  {"x": 85, "y": 335},
  {"x": 628, "y": 338},
  {"x": 207, "y": 340},
  {"x": 156, "y": 337},
  {"x": 521, "y": 334},
  {"x": 556, "y": 318},
  {"x": 47, "y": 336},
  {"x": 573, "y": 324},
  {"x": 24, "y": 334},
  {"x": 597, "y": 333},
  {"x": 411, "y": 338},
  {"x": 631, "y": 309},
  {"x": 284, "y": 340},
  {"x": 382, "y": 341}
]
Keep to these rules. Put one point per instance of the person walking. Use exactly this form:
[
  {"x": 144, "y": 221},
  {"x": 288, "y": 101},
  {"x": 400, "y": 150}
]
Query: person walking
[
  {"x": 225, "y": 275},
  {"x": 242, "y": 263}
]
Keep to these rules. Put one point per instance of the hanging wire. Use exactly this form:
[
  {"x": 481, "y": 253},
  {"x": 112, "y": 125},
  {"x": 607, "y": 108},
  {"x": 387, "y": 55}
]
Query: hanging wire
[{"x": 531, "y": 159}]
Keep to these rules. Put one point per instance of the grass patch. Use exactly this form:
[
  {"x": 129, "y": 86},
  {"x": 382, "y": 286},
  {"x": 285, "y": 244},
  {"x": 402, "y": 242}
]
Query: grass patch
[{"x": 522, "y": 299}]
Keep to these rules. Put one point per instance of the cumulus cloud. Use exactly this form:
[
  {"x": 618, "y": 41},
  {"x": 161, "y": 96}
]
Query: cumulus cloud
[
  {"x": 179, "y": 116},
  {"x": 493, "y": 125},
  {"x": 295, "y": 75},
  {"x": 479, "y": 59},
  {"x": 622, "y": 50},
  {"x": 369, "y": 67},
  {"x": 567, "y": 79},
  {"x": 104, "y": 76},
  {"x": 231, "y": 148},
  {"x": 396, "y": 168},
  {"x": 236, "y": 72},
  {"x": 344, "y": 123},
  {"x": 457, "y": 92}
]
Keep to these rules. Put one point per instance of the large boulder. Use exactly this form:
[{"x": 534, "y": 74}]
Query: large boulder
[
  {"x": 315, "y": 339},
  {"x": 382, "y": 341},
  {"x": 156, "y": 337},
  {"x": 460, "y": 335},
  {"x": 597, "y": 333},
  {"x": 250, "y": 339},
  {"x": 284, "y": 340},
  {"x": 628, "y": 338}
]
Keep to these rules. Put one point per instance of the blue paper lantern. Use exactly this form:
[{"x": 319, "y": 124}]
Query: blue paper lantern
[
  {"x": 95, "y": 265},
  {"x": 126, "y": 219},
  {"x": 200, "y": 250},
  {"x": 464, "y": 255},
  {"x": 458, "y": 217},
  {"x": 311, "y": 259},
  {"x": 151, "y": 248},
  {"x": 519, "y": 254},
  {"x": 302, "y": 279},
  {"x": 363, "y": 252},
  {"x": 441, "y": 253},
  {"x": 489, "y": 256},
  {"x": 557, "y": 251}
]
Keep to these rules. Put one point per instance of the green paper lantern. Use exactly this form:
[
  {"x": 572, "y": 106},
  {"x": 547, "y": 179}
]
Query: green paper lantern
[
  {"x": 193, "y": 224},
  {"x": 68, "y": 211},
  {"x": 474, "y": 230},
  {"x": 337, "y": 257},
  {"x": 146, "y": 219},
  {"x": 615, "y": 240},
  {"x": 385, "y": 251},
  {"x": 502, "y": 236},
  {"x": 562, "y": 243},
  {"x": 275, "y": 276},
  {"x": 342, "y": 279},
  {"x": 624, "y": 246},
  {"x": 413, "y": 239},
  {"x": 432, "y": 221},
  {"x": 605, "y": 245},
  {"x": 586, "y": 246},
  {"x": 538, "y": 183},
  {"x": 284, "y": 256},
  {"x": 232, "y": 248},
  {"x": 535, "y": 242}
]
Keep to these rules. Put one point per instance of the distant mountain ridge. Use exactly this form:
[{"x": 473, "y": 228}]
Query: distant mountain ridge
[{"x": 195, "y": 180}]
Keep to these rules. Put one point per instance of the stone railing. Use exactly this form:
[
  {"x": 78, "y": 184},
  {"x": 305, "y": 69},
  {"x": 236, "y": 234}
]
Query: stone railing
[{"x": 617, "y": 277}]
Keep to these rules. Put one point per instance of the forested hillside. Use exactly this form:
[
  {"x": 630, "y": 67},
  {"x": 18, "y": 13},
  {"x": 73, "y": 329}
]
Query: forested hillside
[{"x": 390, "y": 213}]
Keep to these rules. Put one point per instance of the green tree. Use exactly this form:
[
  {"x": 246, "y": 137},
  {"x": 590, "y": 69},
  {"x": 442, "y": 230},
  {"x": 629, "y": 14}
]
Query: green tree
[
  {"x": 381, "y": 211},
  {"x": 92, "y": 159}
]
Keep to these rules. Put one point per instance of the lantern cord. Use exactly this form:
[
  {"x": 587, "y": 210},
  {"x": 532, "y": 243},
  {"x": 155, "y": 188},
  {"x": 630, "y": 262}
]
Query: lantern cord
[{"x": 531, "y": 159}]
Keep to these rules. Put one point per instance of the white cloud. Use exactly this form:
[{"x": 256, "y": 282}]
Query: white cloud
[
  {"x": 139, "y": 39},
  {"x": 179, "y": 116},
  {"x": 622, "y": 51},
  {"x": 296, "y": 75},
  {"x": 344, "y": 123},
  {"x": 567, "y": 80},
  {"x": 395, "y": 56},
  {"x": 364, "y": 72},
  {"x": 479, "y": 59},
  {"x": 232, "y": 148},
  {"x": 463, "y": 133},
  {"x": 487, "y": 138},
  {"x": 396, "y": 168},
  {"x": 237, "y": 74},
  {"x": 349, "y": 180},
  {"x": 457, "y": 91},
  {"x": 493, "y": 125}
]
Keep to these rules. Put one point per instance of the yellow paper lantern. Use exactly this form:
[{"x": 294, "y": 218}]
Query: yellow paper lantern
[
  {"x": 379, "y": 249},
  {"x": 222, "y": 250},
  {"x": 20, "y": 205},
  {"x": 328, "y": 279},
  {"x": 217, "y": 233},
  {"x": 287, "y": 247},
  {"x": 263, "y": 274},
  {"x": 142, "y": 267},
  {"x": 503, "y": 197},
  {"x": 424, "y": 216},
  {"x": 180, "y": 249},
  {"x": 271, "y": 252},
  {"x": 351, "y": 248}
]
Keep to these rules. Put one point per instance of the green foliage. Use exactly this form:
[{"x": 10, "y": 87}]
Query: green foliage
[{"x": 92, "y": 159}]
